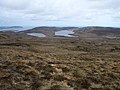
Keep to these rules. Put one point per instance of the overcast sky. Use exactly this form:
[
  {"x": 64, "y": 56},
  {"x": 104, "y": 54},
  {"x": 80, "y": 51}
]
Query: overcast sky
[{"x": 60, "y": 12}]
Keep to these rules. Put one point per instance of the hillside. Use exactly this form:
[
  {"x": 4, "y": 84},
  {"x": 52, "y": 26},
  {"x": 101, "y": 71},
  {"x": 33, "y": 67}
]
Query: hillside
[{"x": 95, "y": 32}]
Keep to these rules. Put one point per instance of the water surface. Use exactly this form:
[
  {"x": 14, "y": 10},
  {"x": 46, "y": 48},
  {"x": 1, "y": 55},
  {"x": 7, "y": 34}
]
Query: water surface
[
  {"x": 37, "y": 34},
  {"x": 65, "y": 33}
]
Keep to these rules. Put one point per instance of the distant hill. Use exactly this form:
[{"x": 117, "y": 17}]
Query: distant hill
[
  {"x": 48, "y": 31},
  {"x": 39, "y": 29},
  {"x": 99, "y": 31},
  {"x": 10, "y": 27},
  {"x": 90, "y": 31}
]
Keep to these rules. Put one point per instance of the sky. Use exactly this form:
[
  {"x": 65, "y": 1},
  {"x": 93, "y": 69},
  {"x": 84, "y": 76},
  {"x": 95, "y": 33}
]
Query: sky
[{"x": 60, "y": 13}]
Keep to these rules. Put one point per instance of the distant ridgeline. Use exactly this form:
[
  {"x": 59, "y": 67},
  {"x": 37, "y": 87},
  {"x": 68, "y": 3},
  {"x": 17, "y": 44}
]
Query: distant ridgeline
[
  {"x": 8, "y": 27},
  {"x": 99, "y": 30}
]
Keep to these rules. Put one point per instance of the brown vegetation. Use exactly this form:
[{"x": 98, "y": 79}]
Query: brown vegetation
[{"x": 59, "y": 63}]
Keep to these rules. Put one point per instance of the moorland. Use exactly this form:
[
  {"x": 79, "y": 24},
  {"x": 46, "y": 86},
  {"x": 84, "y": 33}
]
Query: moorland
[{"x": 88, "y": 61}]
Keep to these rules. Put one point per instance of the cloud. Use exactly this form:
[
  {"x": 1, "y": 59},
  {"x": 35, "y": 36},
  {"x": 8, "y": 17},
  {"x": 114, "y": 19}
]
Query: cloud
[
  {"x": 14, "y": 4},
  {"x": 77, "y": 11}
]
